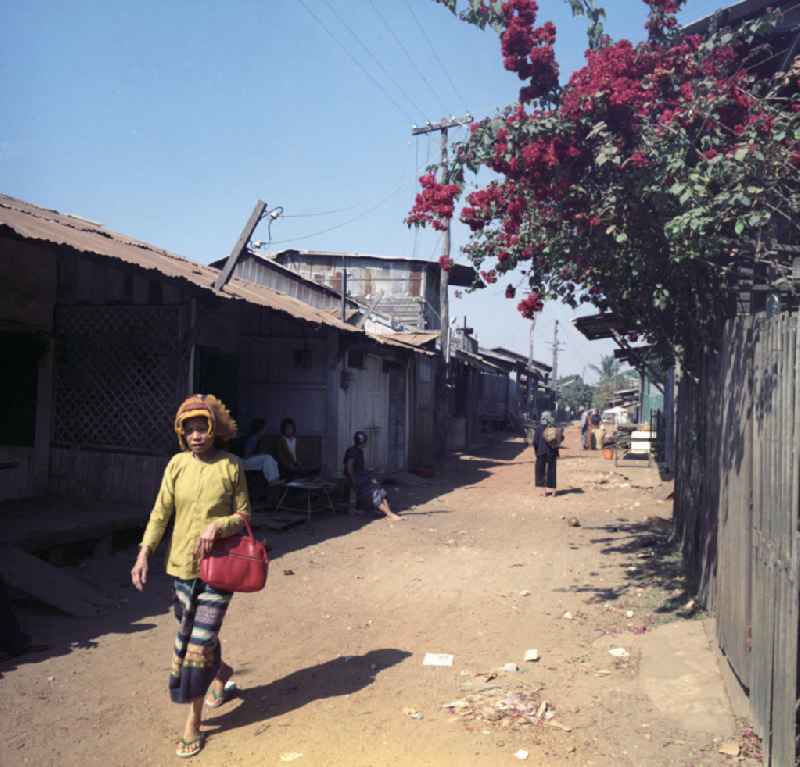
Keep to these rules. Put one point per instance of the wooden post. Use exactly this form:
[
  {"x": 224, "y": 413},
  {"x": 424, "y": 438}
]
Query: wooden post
[
  {"x": 241, "y": 244},
  {"x": 444, "y": 303}
]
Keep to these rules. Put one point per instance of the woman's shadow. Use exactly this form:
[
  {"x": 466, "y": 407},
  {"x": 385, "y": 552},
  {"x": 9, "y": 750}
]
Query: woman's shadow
[{"x": 341, "y": 676}]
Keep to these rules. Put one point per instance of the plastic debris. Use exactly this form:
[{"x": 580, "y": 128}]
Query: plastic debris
[
  {"x": 619, "y": 652},
  {"x": 511, "y": 667},
  {"x": 730, "y": 748},
  {"x": 412, "y": 713},
  {"x": 290, "y": 756},
  {"x": 525, "y": 593},
  {"x": 522, "y": 755},
  {"x": 440, "y": 659},
  {"x": 629, "y": 613},
  {"x": 497, "y": 707},
  {"x": 567, "y": 616},
  {"x": 531, "y": 656}
]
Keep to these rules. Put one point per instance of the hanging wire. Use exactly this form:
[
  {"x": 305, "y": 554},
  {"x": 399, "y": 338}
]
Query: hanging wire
[
  {"x": 390, "y": 29},
  {"x": 436, "y": 56},
  {"x": 361, "y": 215},
  {"x": 374, "y": 57},
  {"x": 323, "y": 212},
  {"x": 369, "y": 74}
]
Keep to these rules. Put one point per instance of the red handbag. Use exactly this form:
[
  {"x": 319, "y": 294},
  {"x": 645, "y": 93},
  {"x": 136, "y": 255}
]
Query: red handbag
[{"x": 238, "y": 563}]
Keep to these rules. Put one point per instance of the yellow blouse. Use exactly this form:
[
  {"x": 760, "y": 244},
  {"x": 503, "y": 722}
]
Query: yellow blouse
[{"x": 197, "y": 491}]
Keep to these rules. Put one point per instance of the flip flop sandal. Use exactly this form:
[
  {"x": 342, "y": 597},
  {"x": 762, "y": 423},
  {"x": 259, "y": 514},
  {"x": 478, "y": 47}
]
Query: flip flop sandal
[
  {"x": 191, "y": 747},
  {"x": 217, "y": 699}
]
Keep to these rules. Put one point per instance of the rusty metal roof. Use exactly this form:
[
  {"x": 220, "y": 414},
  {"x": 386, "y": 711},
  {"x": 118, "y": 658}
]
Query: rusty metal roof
[
  {"x": 36, "y": 223},
  {"x": 460, "y": 275},
  {"x": 416, "y": 337},
  {"x": 393, "y": 340}
]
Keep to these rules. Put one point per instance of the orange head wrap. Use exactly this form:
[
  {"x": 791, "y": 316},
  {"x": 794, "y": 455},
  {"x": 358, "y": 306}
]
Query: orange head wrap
[{"x": 221, "y": 426}]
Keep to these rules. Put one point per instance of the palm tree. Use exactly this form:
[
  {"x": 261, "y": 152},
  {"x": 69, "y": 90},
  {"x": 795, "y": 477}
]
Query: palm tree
[
  {"x": 608, "y": 370},
  {"x": 610, "y": 375}
]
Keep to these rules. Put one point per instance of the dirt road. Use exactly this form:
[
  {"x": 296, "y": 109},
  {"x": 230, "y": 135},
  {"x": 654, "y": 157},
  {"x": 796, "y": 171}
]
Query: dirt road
[{"x": 330, "y": 657}]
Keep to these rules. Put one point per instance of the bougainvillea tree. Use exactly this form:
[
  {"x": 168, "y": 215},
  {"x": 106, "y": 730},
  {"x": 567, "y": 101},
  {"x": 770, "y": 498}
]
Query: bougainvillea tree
[{"x": 638, "y": 184}]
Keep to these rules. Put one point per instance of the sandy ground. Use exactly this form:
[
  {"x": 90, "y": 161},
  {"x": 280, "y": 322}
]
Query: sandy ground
[{"x": 329, "y": 658}]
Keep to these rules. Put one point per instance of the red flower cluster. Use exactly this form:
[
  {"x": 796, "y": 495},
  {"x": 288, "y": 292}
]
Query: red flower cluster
[
  {"x": 613, "y": 127},
  {"x": 529, "y": 305},
  {"x": 528, "y": 50},
  {"x": 482, "y": 206},
  {"x": 434, "y": 204},
  {"x": 662, "y": 16}
]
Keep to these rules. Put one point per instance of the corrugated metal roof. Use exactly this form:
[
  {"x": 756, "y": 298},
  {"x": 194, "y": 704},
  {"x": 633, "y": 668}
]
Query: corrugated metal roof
[
  {"x": 416, "y": 338},
  {"x": 460, "y": 274},
  {"x": 37, "y": 223},
  {"x": 501, "y": 352},
  {"x": 391, "y": 339},
  {"x": 475, "y": 360}
]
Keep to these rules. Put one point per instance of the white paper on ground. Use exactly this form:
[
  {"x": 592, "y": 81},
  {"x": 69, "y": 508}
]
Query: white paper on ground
[{"x": 437, "y": 659}]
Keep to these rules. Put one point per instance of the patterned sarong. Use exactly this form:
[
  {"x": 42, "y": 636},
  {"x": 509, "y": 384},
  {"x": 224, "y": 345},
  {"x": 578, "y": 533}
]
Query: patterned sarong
[{"x": 200, "y": 610}]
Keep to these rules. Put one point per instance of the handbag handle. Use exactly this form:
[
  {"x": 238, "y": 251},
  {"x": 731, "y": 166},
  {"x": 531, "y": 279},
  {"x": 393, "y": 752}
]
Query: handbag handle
[{"x": 244, "y": 519}]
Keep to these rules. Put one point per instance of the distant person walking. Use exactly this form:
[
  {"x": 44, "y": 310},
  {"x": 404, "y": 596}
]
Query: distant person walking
[
  {"x": 547, "y": 439},
  {"x": 585, "y": 429},
  {"x": 204, "y": 488}
]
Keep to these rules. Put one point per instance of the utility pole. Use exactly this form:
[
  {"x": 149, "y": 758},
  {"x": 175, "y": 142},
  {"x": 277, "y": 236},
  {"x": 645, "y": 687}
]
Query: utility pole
[
  {"x": 533, "y": 377},
  {"x": 556, "y": 349},
  {"x": 442, "y": 426},
  {"x": 443, "y": 127},
  {"x": 344, "y": 288}
]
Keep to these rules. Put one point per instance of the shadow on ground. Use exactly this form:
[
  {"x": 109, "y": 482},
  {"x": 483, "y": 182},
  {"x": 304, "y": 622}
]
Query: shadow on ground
[
  {"x": 653, "y": 562},
  {"x": 344, "y": 675},
  {"x": 62, "y": 633}
]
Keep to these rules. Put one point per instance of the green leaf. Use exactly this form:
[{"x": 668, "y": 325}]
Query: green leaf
[
  {"x": 622, "y": 237},
  {"x": 740, "y": 226},
  {"x": 740, "y": 153}
]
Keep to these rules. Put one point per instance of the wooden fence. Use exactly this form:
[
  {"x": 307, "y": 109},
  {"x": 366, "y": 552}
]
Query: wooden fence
[{"x": 737, "y": 485}]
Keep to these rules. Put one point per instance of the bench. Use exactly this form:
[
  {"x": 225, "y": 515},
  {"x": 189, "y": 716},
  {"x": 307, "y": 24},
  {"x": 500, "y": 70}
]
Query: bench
[{"x": 640, "y": 446}]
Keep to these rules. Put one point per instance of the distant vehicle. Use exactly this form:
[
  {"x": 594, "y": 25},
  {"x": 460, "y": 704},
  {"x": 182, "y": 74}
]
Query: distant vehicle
[{"x": 616, "y": 416}]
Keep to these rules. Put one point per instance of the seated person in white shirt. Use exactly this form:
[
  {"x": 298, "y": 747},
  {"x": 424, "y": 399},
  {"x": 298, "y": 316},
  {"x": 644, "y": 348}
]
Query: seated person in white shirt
[
  {"x": 253, "y": 460},
  {"x": 291, "y": 468}
]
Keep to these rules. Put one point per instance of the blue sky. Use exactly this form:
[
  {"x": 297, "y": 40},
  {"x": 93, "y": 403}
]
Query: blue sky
[{"x": 167, "y": 120}]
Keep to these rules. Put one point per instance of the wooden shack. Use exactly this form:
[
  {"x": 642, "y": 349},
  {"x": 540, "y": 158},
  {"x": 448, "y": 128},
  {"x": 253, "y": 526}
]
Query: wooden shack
[{"x": 106, "y": 334}]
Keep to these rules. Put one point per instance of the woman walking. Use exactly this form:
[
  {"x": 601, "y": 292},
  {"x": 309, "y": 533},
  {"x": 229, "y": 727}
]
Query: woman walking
[
  {"x": 204, "y": 488},
  {"x": 546, "y": 442}
]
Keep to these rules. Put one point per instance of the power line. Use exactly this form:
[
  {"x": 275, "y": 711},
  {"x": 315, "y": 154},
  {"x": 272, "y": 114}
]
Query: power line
[
  {"x": 410, "y": 58},
  {"x": 383, "y": 69},
  {"x": 369, "y": 74},
  {"x": 322, "y": 212},
  {"x": 349, "y": 221},
  {"x": 436, "y": 55}
]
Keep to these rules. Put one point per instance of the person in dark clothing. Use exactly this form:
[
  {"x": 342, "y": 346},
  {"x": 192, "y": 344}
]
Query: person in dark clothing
[
  {"x": 290, "y": 466},
  {"x": 370, "y": 496},
  {"x": 547, "y": 452}
]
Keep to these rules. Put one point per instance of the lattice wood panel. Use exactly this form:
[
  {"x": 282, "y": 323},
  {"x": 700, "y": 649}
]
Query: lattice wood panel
[{"x": 120, "y": 372}]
